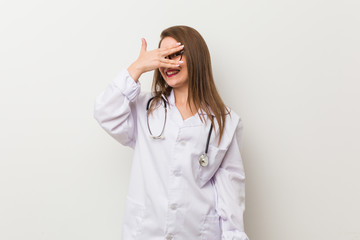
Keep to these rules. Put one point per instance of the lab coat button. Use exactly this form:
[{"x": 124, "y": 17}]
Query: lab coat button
[
  {"x": 169, "y": 236},
  {"x": 173, "y": 206},
  {"x": 183, "y": 143},
  {"x": 177, "y": 173}
]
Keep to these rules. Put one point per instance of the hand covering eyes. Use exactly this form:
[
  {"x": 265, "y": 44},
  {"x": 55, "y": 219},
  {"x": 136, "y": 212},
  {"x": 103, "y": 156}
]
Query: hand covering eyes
[{"x": 175, "y": 56}]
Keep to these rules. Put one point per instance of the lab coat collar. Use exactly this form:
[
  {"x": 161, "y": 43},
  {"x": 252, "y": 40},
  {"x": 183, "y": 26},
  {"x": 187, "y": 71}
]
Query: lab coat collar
[{"x": 197, "y": 121}]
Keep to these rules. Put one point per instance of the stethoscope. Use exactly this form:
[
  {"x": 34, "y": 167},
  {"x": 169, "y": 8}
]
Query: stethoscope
[{"x": 203, "y": 159}]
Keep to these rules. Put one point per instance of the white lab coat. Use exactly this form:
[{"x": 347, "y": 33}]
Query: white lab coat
[{"x": 170, "y": 195}]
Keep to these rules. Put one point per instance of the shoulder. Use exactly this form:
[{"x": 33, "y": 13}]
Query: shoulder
[
  {"x": 233, "y": 126},
  {"x": 142, "y": 100}
]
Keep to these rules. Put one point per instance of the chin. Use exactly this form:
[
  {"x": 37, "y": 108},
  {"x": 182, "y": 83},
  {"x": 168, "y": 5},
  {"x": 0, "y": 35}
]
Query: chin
[
  {"x": 176, "y": 83},
  {"x": 177, "y": 80}
]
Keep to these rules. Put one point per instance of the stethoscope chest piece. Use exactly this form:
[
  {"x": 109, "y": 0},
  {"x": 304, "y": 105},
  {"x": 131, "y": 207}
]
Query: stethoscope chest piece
[{"x": 204, "y": 160}]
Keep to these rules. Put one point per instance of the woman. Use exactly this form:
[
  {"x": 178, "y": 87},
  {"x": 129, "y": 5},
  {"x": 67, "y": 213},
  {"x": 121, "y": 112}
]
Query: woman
[{"x": 187, "y": 178}]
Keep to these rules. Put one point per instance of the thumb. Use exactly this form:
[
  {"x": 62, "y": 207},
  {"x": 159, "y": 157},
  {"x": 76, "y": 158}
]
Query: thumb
[{"x": 143, "y": 45}]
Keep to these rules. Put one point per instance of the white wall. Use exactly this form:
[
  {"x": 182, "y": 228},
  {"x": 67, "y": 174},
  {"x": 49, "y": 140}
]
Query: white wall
[{"x": 289, "y": 68}]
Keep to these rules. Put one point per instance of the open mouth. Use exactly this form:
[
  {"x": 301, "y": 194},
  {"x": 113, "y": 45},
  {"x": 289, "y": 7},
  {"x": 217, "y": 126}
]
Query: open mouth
[{"x": 171, "y": 72}]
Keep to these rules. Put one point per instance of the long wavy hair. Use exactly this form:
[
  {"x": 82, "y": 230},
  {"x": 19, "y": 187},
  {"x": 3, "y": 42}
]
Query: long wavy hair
[{"x": 202, "y": 90}]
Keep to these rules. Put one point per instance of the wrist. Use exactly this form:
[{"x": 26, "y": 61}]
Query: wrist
[{"x": 134, "y": 71}]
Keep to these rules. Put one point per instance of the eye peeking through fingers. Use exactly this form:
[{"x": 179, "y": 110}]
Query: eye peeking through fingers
[{"x": 175, "y": 56}]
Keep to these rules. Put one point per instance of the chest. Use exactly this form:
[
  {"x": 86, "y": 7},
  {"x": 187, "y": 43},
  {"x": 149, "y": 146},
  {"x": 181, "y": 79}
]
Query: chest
[
  {"x": 182, "y": 144},
  {"x": 185, "y": 111},
  {"x": 166, "y": 127}
]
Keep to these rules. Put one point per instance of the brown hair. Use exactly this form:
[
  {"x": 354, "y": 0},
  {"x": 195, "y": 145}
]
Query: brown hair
[{"x": 202, "y": 90}]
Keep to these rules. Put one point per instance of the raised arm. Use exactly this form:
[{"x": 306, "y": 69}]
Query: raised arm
[
  {"x": 115, "y": 110},
  {"x": 115, "y": 107}
]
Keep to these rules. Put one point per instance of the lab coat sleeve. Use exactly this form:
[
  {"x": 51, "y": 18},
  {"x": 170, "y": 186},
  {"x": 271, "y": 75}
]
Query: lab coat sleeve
[
  {"x": 115, "y": 108},
  {"x": 229, "y": 182}
]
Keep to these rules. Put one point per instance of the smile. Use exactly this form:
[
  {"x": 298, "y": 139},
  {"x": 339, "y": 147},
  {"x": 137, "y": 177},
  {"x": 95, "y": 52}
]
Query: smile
[{"x": 171, "y": 72}]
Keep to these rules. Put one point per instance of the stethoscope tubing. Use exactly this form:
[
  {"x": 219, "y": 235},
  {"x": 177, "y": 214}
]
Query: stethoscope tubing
[
  {"x": 160, "y": 136},
  {"x": 203, "y": 160}
]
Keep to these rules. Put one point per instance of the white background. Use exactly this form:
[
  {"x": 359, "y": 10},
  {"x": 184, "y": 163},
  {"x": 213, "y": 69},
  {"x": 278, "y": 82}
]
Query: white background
[{"x": 289, "y": 68}]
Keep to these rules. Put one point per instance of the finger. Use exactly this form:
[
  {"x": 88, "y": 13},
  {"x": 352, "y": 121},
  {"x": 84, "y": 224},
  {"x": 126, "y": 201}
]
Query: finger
[
  {"x": 168, "y": 61},
  {"x": 175, "y": 46},
  {"x": 171, "y": 46},
  {"x": 169, "y": 65},
  {"x": 166, "y": 52},
  {"x": 165, "y": 65},
  {"x": 143, "y": 45}
]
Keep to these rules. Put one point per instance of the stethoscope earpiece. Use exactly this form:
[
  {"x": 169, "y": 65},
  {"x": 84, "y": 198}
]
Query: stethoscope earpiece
[{"x": 157, "y": 137}]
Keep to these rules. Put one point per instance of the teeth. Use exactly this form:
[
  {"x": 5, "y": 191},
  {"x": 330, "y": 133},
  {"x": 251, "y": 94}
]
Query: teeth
[{"x": 172, "y": 72}]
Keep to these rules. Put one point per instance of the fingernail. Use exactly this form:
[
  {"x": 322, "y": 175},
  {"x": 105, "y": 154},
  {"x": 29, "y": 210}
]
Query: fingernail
[
  {"x": 182, "y": 46},
  {"x": 181, "y": 61},
  {"x": 179, "y": 43},
  {"x": 178, "y": 65}
]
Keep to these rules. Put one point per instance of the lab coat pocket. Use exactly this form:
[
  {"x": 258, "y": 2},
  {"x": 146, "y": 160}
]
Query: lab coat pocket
[
  {"x": 211, "y": 229},
  {"x": 133, "y": 218},
  {"x": 215, "y": 156}
]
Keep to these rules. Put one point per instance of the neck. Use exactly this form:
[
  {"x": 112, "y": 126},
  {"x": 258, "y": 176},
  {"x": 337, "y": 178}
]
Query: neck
[{"x": 181, "y": 95}]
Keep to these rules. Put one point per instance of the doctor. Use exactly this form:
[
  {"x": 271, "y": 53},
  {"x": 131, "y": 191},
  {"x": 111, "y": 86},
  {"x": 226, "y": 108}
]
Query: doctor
[{"x": 187, "y": 178}]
